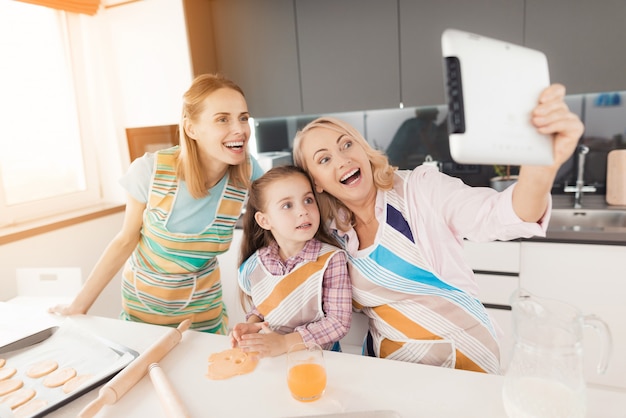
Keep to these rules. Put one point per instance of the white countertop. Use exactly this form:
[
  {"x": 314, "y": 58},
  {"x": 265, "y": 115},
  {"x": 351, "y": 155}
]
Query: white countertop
[{"x": 355, "y": 383}]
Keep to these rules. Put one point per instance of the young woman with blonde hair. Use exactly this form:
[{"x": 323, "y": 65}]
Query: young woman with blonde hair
[{"x": 182, "y": 206}]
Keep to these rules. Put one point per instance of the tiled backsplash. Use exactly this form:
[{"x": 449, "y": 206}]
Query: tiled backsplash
[{"x": 408, "y": 135}]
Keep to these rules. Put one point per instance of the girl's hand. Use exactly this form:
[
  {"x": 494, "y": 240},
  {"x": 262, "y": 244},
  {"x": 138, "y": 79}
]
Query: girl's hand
[
  {"x": 553, "y": 117},
  {"x": 266, "y": 343},
  {"x": 242, "y": 329}
]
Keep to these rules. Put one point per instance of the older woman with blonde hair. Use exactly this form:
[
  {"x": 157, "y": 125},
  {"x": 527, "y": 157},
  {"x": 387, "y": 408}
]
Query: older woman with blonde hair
[{"x": 403, "y": 231}]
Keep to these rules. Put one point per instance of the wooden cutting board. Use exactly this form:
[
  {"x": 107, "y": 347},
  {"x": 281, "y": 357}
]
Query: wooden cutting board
[{"x": 616, "y": 177}]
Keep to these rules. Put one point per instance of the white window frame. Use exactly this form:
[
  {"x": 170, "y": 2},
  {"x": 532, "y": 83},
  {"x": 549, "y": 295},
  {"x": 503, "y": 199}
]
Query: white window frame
[{"x": 82, "y": 79}]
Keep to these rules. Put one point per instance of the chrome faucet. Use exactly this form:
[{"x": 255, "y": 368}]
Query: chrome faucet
[{"x": 580, "y": 187}]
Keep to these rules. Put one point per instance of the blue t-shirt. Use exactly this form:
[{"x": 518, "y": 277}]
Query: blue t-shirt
[{"x": 189, "y": 215}]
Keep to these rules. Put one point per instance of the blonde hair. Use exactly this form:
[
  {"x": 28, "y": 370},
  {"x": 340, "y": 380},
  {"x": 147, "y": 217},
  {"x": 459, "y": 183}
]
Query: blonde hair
[
  {"x": 255, "y": 237},
  {"x": 188, "y": 164},
  {"x": 382, "y": 171}
]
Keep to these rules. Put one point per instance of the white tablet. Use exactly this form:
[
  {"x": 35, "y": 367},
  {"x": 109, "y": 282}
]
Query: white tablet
[{"x": 491, "y": 89}]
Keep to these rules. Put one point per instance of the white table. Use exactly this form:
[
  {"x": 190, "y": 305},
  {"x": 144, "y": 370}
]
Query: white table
[{"x": 355, "y": 383}]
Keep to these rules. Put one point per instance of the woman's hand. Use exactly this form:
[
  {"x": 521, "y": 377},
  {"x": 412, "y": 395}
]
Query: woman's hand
[
  {"x": 553, "y": 117},
  {"x": 67, "y": 310}
]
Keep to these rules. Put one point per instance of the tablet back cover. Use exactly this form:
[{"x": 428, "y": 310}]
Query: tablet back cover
[{"x": 491, "y": 88}]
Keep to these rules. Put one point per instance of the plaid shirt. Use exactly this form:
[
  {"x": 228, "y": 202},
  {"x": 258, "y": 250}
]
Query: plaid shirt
[{"x": 336, "y": 291}]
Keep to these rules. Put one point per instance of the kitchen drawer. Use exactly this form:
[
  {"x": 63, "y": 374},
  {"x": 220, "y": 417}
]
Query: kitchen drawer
[
  {"x": 495, "y": 292},
  {"x": 496, "y": 256},
  {"x": 591, "y": 278},
  {"x": 496, "y": 289}
]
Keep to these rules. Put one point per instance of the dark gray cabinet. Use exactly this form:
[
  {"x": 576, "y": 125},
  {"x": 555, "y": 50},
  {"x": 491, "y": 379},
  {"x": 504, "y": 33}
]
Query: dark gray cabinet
[
  {"x": 421, "y": 24},
  {"x": 349, "y": 54},
  {"x": 306, "y": 57},
  {"x": 256, "y": 46},
  {"x": 319, "y": 56},
  {"x": 585, "y": 42}
]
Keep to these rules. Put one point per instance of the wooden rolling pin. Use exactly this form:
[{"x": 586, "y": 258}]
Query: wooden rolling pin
[
  {"x": 137, "y": 369},
  {"x": 171, "y": 403}
]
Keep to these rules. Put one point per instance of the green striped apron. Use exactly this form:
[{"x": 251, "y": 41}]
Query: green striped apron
[{"x": 171, "y": 276}]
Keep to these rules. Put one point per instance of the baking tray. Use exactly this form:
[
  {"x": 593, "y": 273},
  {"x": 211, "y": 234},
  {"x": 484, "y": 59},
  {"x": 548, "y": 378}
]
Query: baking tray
[{"x": 70, "y": 346}]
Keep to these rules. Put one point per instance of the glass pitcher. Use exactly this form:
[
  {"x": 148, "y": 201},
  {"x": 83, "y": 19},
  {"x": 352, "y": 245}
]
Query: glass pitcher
[{"x": 545, "y": 376}]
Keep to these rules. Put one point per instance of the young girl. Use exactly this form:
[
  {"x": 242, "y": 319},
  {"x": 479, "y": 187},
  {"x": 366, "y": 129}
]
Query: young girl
[
  {"x": 292, "y": 274},
  {"x": 182, "y": 206}
]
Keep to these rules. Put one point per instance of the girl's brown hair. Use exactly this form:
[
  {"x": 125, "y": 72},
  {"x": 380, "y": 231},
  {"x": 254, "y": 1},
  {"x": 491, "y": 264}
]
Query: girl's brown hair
[
  {"x": 255, "y": 237},
  {"x": 188, "y": 164},
  {"x": 382, "y": 171}
]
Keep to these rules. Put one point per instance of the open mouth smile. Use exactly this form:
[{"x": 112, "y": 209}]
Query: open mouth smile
[
  {"x": 235, "y": 145},
  {"x": 351, "y": 177}
]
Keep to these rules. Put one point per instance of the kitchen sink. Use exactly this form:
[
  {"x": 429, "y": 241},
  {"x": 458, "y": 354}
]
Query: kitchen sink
[{"x": 588, "y": 220}]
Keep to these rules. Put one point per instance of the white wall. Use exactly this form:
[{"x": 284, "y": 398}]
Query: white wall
[{"x": 74, "y": 246}]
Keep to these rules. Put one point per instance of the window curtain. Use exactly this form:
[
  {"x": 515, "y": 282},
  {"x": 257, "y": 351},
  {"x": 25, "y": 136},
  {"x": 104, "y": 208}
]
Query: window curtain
[{"x": 89, "y": 7}]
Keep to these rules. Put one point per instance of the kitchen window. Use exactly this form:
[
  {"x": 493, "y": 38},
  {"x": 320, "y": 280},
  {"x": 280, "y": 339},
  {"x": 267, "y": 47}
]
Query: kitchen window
[{"x": 48, "y": 163}]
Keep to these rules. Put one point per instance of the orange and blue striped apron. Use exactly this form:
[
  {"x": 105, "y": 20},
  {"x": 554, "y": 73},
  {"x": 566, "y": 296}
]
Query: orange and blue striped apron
[
  {"x": 414, "y": 315},
  {"x": 291, "y": 300},
  {"x": 171, "y": 276}
]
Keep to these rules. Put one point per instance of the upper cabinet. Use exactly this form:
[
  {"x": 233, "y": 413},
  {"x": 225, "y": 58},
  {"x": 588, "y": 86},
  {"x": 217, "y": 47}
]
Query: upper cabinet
[
  {"x": 421, "y": 24},
  {"x": 306, "y": 57},
  {"x": 256, "y": 46},
  {"x": 349, "y": 54},
  {"x": 585, "y": 42},
  {"x": 309, "y": 57}
]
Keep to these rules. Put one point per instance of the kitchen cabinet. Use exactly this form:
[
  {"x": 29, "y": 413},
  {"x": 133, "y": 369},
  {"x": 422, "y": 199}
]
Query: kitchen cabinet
[
  {"x": 590, "y": 277},
  {"x": 309, "y": 57},
  {"x": 584, "y": 42},
  {"x": 349, "y": 54},
  {"x": 256, "y": 46},
  {"x": 585, "y": 275},
  {"x": 421, "y": 25},
  {"x": 496, "y": 267}
]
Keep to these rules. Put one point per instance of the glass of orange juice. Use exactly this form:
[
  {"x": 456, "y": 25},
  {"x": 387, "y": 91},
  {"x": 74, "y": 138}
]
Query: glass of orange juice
[{"x": 306, "y": 373}]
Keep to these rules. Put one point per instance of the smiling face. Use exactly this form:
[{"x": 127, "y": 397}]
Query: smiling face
[
  {"x": 221, "y": 129},
  {"x": 339, "y": 165},
  {"x": 290, "y": 212}
]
